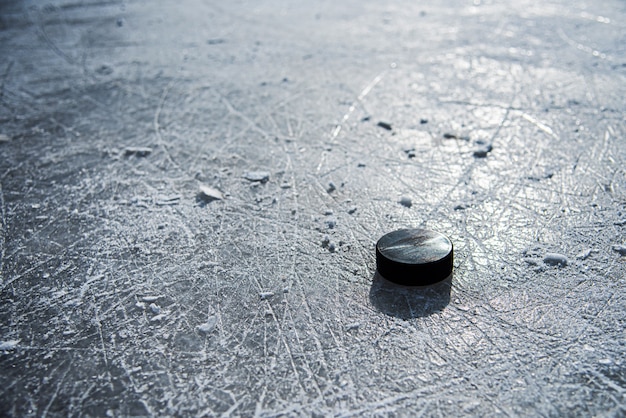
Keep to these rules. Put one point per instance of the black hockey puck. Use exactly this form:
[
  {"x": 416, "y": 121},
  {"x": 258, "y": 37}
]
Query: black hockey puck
[{"x": 414, "y": 257}]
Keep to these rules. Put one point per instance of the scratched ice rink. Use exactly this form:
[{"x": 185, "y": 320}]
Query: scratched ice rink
[{"x": 191, "y": 192}]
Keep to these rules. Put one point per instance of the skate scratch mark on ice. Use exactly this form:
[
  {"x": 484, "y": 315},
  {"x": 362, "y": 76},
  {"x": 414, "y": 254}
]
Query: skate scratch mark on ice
[
  {"x": 540, "y": 125},
  {"x": 337, "y": 129},
  {"x": 157, "y": 127},
  {"x": 3, "y": 228},
  {"x": 582, "y": 47},
  {"x": 56, "y": 391}
]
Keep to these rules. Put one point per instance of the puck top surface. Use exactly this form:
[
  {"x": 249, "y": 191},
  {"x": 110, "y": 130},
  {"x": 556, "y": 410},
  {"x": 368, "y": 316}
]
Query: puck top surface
[{"x": 414, "y": 257}]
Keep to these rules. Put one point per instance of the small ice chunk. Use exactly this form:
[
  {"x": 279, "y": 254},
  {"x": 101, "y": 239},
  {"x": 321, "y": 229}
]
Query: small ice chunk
[
  {"x": 208, "y": 326},
  {"x": 209, "y": 194},
  {"x": 621, "y": 249},
  {"x": 137, "y": 151},
  {"x": 406, "y": 201},
  {"x": 257, "y": 176},
  {"x": 158, "y": 318},
  {"x": 555, "y": 259},
  {"x": 265, "y": 295},
  {"x": 8, "y": 345},
  {"x": 353, "y": 326}
]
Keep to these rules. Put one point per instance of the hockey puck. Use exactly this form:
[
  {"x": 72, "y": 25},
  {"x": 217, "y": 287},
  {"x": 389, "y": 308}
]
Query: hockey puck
[{"x": 414, "y": 257}]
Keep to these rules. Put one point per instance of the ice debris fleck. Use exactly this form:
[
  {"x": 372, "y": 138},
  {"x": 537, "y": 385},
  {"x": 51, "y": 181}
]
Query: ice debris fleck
[
  {"x": 167, "y": 200},
  {"x": 621, "y": 249},
  {"x": 265, "y": 295},
  {"x": 555, "y": 259},
  {"x": 208, "y": 326},
  {"x": 384, "y": 125},
  {"x": 257, "y": 176},
  {"x": 209, "y": 194},
  {"x": 455, "y": 136},
  {"x": 406, "y": 201},
  {"x": 583, "y": 255},
  {"x": 8, "y": 345},
  {"x": 354, "y": 326},
  {"x": 482, "y": 150},
  {"x": 137, "y": 151}
]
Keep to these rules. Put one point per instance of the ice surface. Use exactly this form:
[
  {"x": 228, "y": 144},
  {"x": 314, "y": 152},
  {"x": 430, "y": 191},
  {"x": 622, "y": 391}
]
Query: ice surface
[{"x": 117, "y": 111}]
